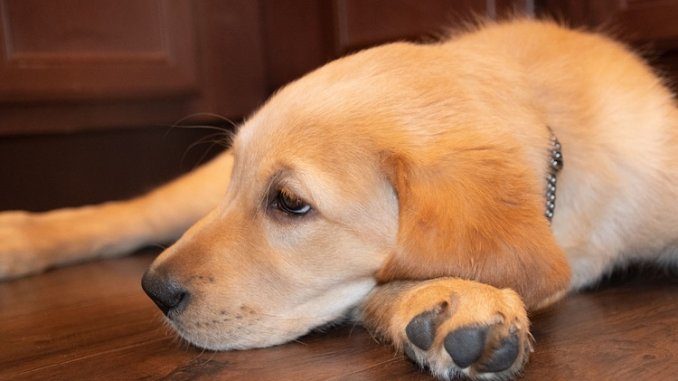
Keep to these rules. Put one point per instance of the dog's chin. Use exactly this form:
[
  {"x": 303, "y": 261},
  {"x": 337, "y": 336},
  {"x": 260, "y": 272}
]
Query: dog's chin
[{"x": 213, "y": 339}]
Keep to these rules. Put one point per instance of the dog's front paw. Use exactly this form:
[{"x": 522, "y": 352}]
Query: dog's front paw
[{"x": 478, "y": 333}]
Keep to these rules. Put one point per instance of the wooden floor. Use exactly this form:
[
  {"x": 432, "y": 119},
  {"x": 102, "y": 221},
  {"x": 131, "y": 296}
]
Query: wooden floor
[{"x": 92, "y": 321}]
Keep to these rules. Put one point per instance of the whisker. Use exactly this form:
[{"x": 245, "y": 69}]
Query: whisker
[
  {"x": 209, "y": 149},
  {"x": 207, "y": 114},
  {"x": 206, "y": 139},
  {"x": 181, "y": 122},
  {"x": 202, "y": 140},
  {"x": 227, "y": 132},
  {"x": 202, "y": 127}
]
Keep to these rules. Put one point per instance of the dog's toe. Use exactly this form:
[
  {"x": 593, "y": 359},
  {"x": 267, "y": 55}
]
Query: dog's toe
[
  {"x": 504, "y": 356},
  {"x": 466, "y": 345},
  {"x": 421, "y": 330}
]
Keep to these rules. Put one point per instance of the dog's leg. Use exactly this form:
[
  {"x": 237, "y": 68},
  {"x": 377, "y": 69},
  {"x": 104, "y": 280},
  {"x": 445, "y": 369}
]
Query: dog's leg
[
  {"x": 33, "y": 242},
  {"x": 455, "y": 328}
]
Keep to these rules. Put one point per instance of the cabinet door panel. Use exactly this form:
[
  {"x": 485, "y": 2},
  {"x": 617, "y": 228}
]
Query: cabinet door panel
[{"x": 99, "y": 49}]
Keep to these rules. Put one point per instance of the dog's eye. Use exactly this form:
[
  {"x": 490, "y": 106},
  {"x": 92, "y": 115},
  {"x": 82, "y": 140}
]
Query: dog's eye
[{"x": 290, "y": 204}]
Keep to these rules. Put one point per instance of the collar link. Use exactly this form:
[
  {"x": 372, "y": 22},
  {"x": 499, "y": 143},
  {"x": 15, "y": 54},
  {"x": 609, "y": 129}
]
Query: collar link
[{"x": 555, "y": 165}]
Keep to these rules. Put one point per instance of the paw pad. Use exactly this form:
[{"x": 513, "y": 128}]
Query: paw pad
[
  {"x": 466, "y": 345},
  {"x": 421, "y": 330},
  {"x": 504, "y": 356}
]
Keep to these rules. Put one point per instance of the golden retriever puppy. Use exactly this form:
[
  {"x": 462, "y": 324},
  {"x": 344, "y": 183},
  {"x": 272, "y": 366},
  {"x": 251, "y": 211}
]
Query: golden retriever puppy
[{"x": 433, "y": 192}]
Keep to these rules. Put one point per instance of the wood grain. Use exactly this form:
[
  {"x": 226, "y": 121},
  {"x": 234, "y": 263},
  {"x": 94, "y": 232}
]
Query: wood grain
[{"x": 92, "y": 321}]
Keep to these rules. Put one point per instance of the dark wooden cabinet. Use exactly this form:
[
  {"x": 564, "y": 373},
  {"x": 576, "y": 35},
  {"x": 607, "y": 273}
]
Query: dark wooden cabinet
[
  {"x": 70, "y": 65},
  {"x": 116, "y": 74},
  {"x": 89, "y": 90}
]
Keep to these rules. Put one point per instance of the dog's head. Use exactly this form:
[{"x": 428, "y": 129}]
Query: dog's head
[{"x": 375, "y": 167}]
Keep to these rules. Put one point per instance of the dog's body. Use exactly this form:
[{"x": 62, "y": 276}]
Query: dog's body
[{"x": 366, "y": 185}]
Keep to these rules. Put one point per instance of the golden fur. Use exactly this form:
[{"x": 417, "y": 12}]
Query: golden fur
[{"x": 425, "y": 169}]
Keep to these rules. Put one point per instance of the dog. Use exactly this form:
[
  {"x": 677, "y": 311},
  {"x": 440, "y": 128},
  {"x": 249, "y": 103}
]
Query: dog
[{"x": 433, "y": 192}]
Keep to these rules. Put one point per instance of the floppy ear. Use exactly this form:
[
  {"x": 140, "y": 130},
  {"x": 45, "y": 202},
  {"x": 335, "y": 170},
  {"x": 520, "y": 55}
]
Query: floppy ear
[{"x": 474, "y": 214}]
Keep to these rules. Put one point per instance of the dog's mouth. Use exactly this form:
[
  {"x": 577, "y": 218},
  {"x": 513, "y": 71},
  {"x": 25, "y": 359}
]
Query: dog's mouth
[{"x": 210, "y": 326}]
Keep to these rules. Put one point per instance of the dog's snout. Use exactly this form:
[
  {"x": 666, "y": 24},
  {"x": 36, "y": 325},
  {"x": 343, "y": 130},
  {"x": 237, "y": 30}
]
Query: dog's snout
[{"x": 165, "y": 292}]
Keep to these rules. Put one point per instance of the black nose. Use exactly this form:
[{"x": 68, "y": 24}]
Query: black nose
[{"x": 166, "y": 293}]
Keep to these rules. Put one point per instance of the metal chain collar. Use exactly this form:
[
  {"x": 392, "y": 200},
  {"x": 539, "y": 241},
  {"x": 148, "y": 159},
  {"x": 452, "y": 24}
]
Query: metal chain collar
[{"x": 555, "y": 165}]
